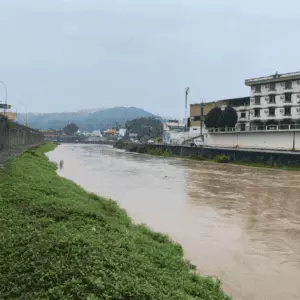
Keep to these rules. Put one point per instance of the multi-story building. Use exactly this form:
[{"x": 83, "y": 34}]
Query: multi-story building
[
  {"x": 275, "y": 99},
  {"x": 241, "y": 105}
]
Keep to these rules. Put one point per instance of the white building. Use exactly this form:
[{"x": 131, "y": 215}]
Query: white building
[
  {"x": 174, "y": 132},
  {"x": 275, "y": 99}
]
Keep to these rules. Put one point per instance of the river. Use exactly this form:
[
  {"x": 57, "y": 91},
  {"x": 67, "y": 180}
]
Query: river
[{"x": 236, "y": 223}]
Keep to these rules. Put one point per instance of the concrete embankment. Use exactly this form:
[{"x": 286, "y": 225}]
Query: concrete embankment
[
  {"x": 15, "y": 138},
  {"x": 60, "y": 242},
  {"x": 268, "y": 157}
]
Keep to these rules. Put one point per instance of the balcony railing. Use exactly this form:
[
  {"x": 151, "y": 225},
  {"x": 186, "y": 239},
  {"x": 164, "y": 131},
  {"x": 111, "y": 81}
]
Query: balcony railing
[{"x": 282, "y": 127}]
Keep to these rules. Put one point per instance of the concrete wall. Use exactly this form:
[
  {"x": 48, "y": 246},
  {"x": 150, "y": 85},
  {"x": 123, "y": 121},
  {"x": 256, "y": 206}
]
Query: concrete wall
[
  {"x": 280, "y": 140},
  {"x": 13, "y": 136}
]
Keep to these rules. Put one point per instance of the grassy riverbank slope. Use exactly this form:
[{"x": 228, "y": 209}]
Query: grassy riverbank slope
[{"x": 60, "y": 242}]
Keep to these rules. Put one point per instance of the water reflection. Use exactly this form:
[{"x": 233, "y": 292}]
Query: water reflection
[{"x": 240, "y": 224}]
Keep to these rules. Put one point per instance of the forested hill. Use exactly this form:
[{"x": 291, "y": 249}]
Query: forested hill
[{"x": 88, "y": 120}]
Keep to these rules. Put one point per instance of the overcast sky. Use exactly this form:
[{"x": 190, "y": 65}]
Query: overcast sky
[{"x": 69, "y": 55}]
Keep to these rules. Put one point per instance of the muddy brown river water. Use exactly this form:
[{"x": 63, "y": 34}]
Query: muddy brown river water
[{"x": 237, "y": 223}]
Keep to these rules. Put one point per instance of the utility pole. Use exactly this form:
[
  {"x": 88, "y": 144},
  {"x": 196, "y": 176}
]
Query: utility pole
[
  {"x": 187, "y": 89},
  {"x": 201, "y": 119}
]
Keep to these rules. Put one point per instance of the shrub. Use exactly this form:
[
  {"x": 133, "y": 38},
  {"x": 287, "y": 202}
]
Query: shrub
[{"x": 221, "y": 159}]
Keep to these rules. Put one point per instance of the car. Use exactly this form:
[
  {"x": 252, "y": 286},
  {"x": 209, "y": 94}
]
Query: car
[{"x": 150, "y": 142}]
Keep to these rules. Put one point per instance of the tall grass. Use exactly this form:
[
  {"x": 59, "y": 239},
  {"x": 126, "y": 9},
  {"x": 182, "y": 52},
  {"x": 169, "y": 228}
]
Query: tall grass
[{"x": 60, "y": 242}]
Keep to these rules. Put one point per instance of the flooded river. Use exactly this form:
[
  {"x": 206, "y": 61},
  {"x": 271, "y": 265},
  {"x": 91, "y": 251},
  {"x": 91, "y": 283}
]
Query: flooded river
[{"x": 236, "y": 223}]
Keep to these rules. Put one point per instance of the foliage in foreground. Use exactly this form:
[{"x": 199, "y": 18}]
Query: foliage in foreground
[{"x": 60, "y": 242}]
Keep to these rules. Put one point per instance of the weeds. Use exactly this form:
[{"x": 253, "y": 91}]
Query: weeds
[{"x": 60, "y": 242}]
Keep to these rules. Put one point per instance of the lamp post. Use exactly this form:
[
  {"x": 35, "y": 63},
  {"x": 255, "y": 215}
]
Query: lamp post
[{"x": 4, "y": 109}]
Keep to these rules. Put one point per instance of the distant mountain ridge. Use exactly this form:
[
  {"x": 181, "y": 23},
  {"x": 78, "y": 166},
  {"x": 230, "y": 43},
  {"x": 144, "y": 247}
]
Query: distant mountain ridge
[{"x": 88, "y": 120}]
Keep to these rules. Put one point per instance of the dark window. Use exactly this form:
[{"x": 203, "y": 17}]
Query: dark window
[
  {"x": 288, "y": 97},
  {"x": 243, "y": 127},
  {"x": 258, "y": 88},
  {"x": 243, "y": 115},
  {"x": 272, "y": 86},
  {"x": 196, "y": 118},
  {"x": 272, "y": 111},
  {"x": 288, "y": 84},
  {"x": 256, "y": 112},
  {"x": 272, "y": 99},
  {"x": 257, "y": 100},
  {"x": 287, "y": 111}
]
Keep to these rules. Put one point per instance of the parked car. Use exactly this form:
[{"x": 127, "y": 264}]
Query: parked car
[{"x": 150, "y": 142}]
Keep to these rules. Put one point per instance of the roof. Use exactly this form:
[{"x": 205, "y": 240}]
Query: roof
[
  {"x": 273, "y": 78},
  {"x": 241, "y": 101}
]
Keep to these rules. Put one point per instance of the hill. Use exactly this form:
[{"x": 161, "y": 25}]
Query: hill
[{"x": 88, "y": 120}]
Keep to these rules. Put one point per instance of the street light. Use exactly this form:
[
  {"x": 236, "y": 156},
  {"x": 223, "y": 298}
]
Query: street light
[{"x": 4, "y": 109}]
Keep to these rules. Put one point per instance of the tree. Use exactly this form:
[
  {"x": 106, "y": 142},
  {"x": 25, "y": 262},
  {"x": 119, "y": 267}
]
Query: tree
[
  {"x": 229, "y": 117},
  {"x": 70, "y": 129},
  {"x": 144, "y": 128},
  {"x": 213, "y": 118}
]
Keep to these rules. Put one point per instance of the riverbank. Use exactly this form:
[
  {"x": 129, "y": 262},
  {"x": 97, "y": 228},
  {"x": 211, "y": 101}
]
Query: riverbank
[
  {"x": 257, "y": 160},
  {"x": 60, "y": 242}
]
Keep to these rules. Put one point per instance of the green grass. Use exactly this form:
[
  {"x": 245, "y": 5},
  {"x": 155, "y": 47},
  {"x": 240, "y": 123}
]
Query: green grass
[{"x": 60, "y": 242}]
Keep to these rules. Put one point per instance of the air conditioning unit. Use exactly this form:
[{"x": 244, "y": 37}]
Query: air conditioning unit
[
  {"x": 298, "y": 110},
  {"x": 266, "y": 112},
  {"x": 267, "y": 86},
  {"x": 298, "y": 96},
  {"x": 282, "y": 84},
  {"x": 252, "y": 99},
  {"x": 251, "y": 112},
  {"x": 298, "y": 81},
  {"x": 267, "y": 98},
  {"x": 282, "y": 111},
  {"x": 282, "y": 97},
  {"x": 252, "y": 88}
]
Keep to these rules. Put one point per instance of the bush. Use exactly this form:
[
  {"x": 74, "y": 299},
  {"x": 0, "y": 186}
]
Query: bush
[
  {"x": 221, "y": 159},
  {"x": 213, "y": 118}
]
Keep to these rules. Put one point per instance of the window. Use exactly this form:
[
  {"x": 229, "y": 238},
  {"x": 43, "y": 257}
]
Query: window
[
  {"x": 272, "y": 99},
  {"x": 256, "y": 112},
  {"x": 288, "y": 85},
  {"x": 287, "y": 111},
  {"x": 272, "y": 111},
  {"x": 243, "y": 127},
  {"x": 257, "y": 100},
  {"x": 272, "y": 86},
  {"x": 257, "y": 88},
  {"x": 288, "y": 97},
  {"x": 196, "y": 118},
  {"x": 243, "y": 115}
]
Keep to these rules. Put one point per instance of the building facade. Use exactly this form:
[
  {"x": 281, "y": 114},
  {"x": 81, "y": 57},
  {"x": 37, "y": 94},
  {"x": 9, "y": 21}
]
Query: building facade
[
  {"x": 275, "y": 99},
  {"x": 241, "y": 105}
]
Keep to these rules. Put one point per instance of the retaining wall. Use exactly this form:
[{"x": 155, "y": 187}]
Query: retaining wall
[
  {"x": 260, "y": 156},
  {"x": 15, "y": 138}
]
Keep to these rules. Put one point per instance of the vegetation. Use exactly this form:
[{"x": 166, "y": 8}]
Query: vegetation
[
  {"x": 144, "y": 128},
  {"x": 221, "y": 159},
  {"x": 60, "y": 242},
  {"x": 213, "y": 118},
  {"x": 228, "y": 117},
  {"x": 70, "y": 129}
]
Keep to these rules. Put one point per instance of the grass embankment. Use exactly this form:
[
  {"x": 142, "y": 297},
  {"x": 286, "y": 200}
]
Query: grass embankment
[{"x": 60, "y": 242}]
